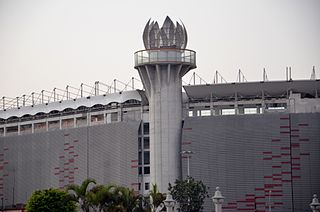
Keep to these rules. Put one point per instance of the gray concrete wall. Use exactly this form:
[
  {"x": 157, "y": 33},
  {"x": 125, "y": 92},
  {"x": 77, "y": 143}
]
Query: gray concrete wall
[
  {"x": 107, "y": 153},
  {"x": 249, "y": 155}
]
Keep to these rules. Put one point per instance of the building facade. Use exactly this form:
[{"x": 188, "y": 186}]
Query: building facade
[{"x": 258, "y": 141}]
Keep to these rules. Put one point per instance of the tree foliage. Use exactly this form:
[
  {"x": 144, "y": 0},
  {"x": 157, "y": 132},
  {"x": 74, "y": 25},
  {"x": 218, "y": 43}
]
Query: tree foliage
[
  {"x": 104, "y": 198},
  {"x": 50, "y": 200},
  {"x": 80, "y": 192},
  {"x": 190, "y": 194},
  {"x": 156, "y": 198}
]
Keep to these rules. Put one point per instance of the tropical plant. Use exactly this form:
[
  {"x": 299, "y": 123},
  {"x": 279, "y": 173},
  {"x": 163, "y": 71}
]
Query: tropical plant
[
  {"x": 156, "y": 198},
  {"x": 190, "y": 194},
  {"x": 125, "y": 200},
  {"x": 80, "y": 193},
  {"x": 51, "y": 200},
  {"x": 101, "y": 197}
]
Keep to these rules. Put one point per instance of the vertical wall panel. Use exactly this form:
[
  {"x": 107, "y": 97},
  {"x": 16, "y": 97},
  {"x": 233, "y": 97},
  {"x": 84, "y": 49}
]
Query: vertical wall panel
[
  {"x": 249, "y": 155},
  {"x": 58, "y": 158}
]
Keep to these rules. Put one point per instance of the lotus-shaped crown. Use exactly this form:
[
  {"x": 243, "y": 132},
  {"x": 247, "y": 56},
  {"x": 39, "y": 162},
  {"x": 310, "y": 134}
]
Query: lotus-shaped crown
[{"x": 168, "y": 36}]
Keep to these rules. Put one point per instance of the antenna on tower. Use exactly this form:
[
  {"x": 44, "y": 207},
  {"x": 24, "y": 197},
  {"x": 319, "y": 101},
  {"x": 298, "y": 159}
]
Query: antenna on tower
[
  {"x": 216, "y": 78},
  {"x": 288, "y": 73},
  {"x": 265, "y": 77},
  {"x": 313, "y": 73},
  {"x": 241, "y": 77}
]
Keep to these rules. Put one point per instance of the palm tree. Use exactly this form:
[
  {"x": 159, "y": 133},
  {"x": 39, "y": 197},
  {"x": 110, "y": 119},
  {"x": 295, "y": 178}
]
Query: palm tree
[
  {"x": 156, "y": 196},
  {"x": 101, "y": 197},
  {"x": 125, "y": 200},
  {"x": 80, "y": 193}
]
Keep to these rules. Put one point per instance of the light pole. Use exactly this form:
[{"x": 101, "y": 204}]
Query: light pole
[
  {"x": 188, "y": 153},
  {"x": 169, "y": 202},
  {"x": 218, "y": 200},
  {"x": 269, "y": 201},
  {"x": 315, "y": 205}
]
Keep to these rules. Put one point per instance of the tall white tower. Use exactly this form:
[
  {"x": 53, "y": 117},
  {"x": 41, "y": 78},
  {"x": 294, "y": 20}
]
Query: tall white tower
[{"x": 161, "y": 67}]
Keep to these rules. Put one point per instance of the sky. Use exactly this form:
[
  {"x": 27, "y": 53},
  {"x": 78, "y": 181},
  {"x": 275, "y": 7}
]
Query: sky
[{"x": 53, "y": 43}]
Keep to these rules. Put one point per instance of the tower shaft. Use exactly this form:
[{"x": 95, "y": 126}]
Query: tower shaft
[{"x": 163, "y": 86}]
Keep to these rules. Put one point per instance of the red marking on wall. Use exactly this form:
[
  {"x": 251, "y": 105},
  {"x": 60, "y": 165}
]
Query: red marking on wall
[
  {"x": 285, "y": 162},
  {"x": 303, "y": 125},
  {"x": 267, "y": 152},
  {"x": 275, "y": 140},
  {"x": 285, "y": 148},
  {"x": 294, "y": 136},
  {"x": 186, "y": 142},
  {"x": 187, "y": 128},
  {"x": 304, "y": 139},
  {"x": 284, "y": 118},
  {"x": 281, "y": 127},
  {"x": 295, "y": 145},
  {"x": 75, "y": 141},
  {"x": 294, "y": 130},
  {"x": 134, "y": 167},
  {"x": 133, "y": 161},
  {"x": 304, "y": 154},
  {"x": 285, "y": 154},
  {"x": 66, "y": 134}
]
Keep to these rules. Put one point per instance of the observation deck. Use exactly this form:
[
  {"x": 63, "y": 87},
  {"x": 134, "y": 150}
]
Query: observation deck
[{"x": 165, "y": 56}]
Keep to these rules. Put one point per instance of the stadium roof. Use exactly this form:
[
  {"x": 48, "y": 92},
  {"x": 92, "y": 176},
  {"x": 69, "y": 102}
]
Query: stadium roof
[
  {"x": 251, "y": 89},
  {"x": 90, "y": 101}
]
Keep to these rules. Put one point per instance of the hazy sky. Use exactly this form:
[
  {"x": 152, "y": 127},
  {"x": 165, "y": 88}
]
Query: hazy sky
[{"x": 52, "y": 43}]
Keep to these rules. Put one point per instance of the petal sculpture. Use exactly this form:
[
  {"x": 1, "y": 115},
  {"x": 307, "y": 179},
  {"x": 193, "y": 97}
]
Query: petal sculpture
[{"x": 168, "y": 36}]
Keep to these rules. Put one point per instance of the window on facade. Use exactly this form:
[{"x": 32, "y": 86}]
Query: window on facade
[
  {"x": 139, "y": 132},
  {"x": 140, "y": 158},
  {"x": 146, "y": 170},
  {"x": 81, "y": 121},
  {"x": 190, "y": 114},
  {"x": 146, "y": 186},
  {"x": 139, "y": 143},
  {"x": 97, "y": 118},
  {"x": 250, "y": 110},
  {"x": 13, "y": 129},
  {"x": 146, "y": 128},
  {"x": 24, "y": 128},
  {"x": 146, "y": 157},
  {"x": 67, "y": 123},
  {"x": 228, "y": 111},
  {"x": 140, "y": 170},
  {"x": 53, "y": 125},
  {"x": 114, "y": 117},
  {"x": 205, "y": 112},
  {"x": 146, "y": 143}
]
